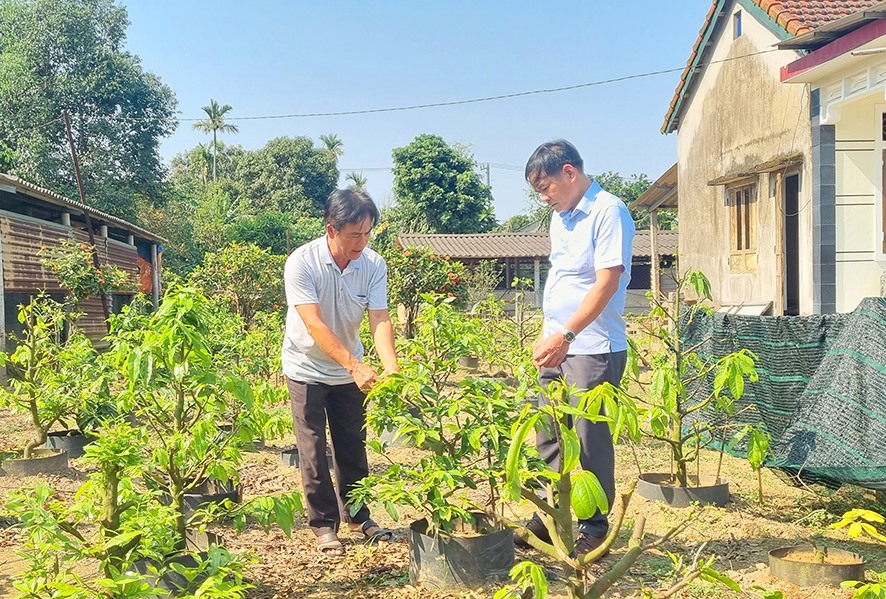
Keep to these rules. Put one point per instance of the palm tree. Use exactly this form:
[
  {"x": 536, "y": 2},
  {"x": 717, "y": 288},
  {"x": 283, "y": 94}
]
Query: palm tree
[
  {"x": 358, "y": 181},
  {"x": 334, "y": 145},
  {"x": 203, "y": 161},
  {"x": 214, "y": 124}
]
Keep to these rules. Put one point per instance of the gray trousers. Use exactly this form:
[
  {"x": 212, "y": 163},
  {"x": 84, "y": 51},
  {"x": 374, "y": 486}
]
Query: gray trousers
[
  {"x": 597, "y": 452},
  {"x": 313, "y": 404}
]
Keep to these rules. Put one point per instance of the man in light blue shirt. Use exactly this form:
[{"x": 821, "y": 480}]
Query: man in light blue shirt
[{"x": 583, "y": 341}]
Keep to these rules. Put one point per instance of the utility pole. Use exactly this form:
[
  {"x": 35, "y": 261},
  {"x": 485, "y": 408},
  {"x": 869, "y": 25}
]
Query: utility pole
[{"x": 488, "y": 182}]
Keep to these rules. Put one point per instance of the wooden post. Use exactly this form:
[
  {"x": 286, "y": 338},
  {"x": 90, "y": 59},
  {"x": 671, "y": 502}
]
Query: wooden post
[
  {"x": 155, "y": 276},
  {"x": 780, "y": 223},
  {"x": 89, "y": 230},
  {"x": 655, "y": 274}
]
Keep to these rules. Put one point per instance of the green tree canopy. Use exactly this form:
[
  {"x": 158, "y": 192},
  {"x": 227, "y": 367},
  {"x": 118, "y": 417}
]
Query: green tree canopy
[
  {"x": 439, "y": 190},
  {"x": 631, "y": 188},
  {"x": 275, "y": 231},
  {"x": 287, "y": 175},
  {"x": 68, "y": 54}
]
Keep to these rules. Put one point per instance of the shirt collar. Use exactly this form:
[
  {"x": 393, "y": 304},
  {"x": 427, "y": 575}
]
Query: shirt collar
[
  {"x": 326, "y": 256},
  {"x": 584, "y": 204}
]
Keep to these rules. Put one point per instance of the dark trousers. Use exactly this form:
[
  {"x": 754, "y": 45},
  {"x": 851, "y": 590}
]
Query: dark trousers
[
  {"x": 597, "y": 452},
  {"x": 313, "y": 405}
]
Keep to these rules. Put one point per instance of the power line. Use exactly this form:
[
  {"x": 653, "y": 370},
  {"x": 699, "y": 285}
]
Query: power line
[{"x": 486, "y": 98}]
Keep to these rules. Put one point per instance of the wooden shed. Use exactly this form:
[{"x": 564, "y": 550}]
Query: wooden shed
[{"x": 32, "y": 218}]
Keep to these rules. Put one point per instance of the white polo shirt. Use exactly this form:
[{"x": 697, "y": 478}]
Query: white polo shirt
[
  {"x": 598, "y": 233},
  {"x": 312, "y": 277}
]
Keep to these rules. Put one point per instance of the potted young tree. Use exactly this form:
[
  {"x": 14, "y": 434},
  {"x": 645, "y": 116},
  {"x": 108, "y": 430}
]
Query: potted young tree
[
  {"x": 174, "y": 385},
  {"x": 688, "y": 400},
  {"x": 462, "y": 429},
  {"x": 559, "y": 494},
  {"x": 50, "y": 376}
]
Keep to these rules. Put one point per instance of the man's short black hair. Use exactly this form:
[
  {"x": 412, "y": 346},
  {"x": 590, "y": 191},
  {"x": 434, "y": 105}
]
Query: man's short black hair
[
  {"x": 549, "y": 158},
  {"x": 348, "y": 207}
]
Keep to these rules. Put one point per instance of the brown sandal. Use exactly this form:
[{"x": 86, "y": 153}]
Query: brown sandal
[
  {"x": 379, "y": 535},
  {"x": 329, "y": 545}
]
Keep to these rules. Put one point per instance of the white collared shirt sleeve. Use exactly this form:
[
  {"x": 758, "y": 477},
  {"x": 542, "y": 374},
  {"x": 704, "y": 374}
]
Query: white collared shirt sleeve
[{"x": 613, "y": 237}]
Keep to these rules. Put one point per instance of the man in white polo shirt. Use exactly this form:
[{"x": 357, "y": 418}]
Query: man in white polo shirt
[
  {"x": 584, "y": 341},
  {"x": 331, "y": 283}
]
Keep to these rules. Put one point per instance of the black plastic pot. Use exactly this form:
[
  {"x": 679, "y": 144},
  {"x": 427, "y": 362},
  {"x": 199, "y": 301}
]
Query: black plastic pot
[
  {"x": 784, "y": 563},
  {"x": 42, "y": 461},
  {"x": 658, "y": 487},
  {"x": 195, "y": 540},
  {"x": 469, "y": 362},
  {"x": 72, "y": 441},
  {"x": 168, "y": 579},
  {"x": 209, "y": 491},
  {"x": 289, "y": 457},
  {"x": 226, "y": 429},
  {"x": 445, "y": 561}
]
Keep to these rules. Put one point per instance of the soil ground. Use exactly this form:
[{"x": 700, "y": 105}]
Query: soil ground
[{"x": 739, "y": 535}]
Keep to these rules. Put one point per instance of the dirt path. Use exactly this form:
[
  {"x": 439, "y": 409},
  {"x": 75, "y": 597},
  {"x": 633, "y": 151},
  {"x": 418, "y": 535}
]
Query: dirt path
[{"x": 740, "y": 535}]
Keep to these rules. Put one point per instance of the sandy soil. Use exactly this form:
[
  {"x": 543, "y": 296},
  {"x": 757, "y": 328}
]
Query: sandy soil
[{"x": 740, "y": 535}]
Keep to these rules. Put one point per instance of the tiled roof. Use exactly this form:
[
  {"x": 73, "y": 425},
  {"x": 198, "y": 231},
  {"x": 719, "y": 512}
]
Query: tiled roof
[
  {"x": 483, "y": 245},
  {"x": 489, "y": 246},
  {"x": 795, "y": 17}
]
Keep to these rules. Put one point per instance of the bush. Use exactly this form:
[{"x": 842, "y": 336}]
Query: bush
[
  {"x": 415, "y": 271},
  {"x": 249, "y": 278}
]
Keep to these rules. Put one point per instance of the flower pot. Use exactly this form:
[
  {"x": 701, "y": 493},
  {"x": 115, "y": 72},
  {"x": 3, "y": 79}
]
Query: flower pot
[
  {"x": 162, "y": 576},
  {"x": 41, "y": 461},
  {"x": 799, "y": 565},
  {"x": 289, "y": 457},
  {"x": 210, "y": 491},
  {"x": 195, "y": 540},
  {"x": 469, "y": 362},
  {"x": 656, "y": 486},
  {"x": 226, "y": 429},
  {"x": 484, "y": 554},
  {"x": 72, "y": 441}
]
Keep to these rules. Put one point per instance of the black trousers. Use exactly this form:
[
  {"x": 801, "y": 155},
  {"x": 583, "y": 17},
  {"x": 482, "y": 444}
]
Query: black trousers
[
  {"x": 313, "y": 405},
  {"x": 597, "y": 451}
]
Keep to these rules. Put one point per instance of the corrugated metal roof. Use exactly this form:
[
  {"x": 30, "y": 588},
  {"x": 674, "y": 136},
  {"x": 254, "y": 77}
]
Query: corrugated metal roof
[
  {"x": 35, "y": 191},
  {"x": 488, "y": 246},
  {"x": 661, "y": 194}
]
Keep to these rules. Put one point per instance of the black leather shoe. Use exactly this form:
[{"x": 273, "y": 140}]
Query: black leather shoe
[
  {"x": 536, "y": 527},
  {"x": 585, "y": 543}
]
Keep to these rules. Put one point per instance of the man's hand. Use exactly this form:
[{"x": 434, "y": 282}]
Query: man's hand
[
  {"x": 550, "y": 351},
  {"x": 364, "y": 376}
]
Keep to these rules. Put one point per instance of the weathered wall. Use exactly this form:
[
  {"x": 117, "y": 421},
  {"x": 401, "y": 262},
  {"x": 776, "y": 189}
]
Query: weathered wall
[{"x": 740, "y": 115}]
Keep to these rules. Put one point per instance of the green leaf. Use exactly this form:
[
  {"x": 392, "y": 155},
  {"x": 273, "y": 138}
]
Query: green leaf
[
  {"x": 588, "y": 495},
  {"x": 512, "y": 476}
]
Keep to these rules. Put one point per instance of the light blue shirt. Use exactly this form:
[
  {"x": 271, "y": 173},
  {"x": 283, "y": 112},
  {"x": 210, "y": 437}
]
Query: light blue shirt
[
  {"x": 312, "y": 277},
  {"x": 598, "y": 233}
]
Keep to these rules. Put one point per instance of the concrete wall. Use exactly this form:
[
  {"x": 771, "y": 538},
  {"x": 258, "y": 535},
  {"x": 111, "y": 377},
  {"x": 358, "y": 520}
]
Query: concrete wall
[
  {"x": 740, "y": 115},
  {"x": 859, "y": 148}
]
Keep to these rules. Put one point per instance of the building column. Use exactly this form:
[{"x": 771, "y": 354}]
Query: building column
[{"x": 824, "y": 213}]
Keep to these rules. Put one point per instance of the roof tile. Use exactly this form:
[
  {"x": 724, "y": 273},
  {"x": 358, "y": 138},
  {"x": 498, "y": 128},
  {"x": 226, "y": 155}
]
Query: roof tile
[{"x": 794, "y": 16}]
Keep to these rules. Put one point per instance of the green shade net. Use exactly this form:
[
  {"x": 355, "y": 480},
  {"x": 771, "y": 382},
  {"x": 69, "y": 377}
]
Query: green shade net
[{"x": 822, "y": 388}]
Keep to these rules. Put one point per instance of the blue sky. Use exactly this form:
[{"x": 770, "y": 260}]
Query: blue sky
[{"x": 271, "y": 58}]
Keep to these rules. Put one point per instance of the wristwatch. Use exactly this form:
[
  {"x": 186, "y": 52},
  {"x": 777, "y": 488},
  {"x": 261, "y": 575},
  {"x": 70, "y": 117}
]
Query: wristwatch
[{"x": 568, "y": 335}]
